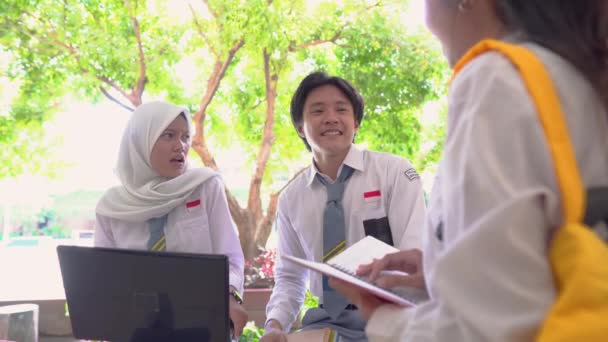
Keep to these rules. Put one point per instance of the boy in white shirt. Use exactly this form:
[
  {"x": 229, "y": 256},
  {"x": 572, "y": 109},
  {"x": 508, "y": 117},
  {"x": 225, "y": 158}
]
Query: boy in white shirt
[{"x": 346, "y": 194}]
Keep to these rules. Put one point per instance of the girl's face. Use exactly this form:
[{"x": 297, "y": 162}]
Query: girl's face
[
  {"x": 460, "y": 24},
  {"x": 440, "y": 15},
  {"x": 168, "y": 157}
]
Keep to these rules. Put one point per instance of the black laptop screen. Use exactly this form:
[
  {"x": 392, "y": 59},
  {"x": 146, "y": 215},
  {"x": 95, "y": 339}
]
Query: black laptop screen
[{"x": 124, "y": 295}]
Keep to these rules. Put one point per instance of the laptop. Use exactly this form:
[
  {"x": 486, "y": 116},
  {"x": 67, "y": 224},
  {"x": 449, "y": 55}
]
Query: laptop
[{"x": 125, "y": 295}]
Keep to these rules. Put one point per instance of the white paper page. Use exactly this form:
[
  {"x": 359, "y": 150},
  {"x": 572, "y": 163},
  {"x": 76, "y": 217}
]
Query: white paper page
[
  {"x": 332, "y": 272},
  {"x": 363, "y": 251}
]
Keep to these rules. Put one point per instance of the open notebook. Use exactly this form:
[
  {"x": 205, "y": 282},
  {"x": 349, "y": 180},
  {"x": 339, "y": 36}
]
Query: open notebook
[{"x": 344, "y": 265}]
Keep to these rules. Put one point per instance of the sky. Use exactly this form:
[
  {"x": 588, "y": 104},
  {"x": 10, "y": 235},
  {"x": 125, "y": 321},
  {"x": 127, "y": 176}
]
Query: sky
[
  {"x": 415, "y": 15},
  {"x": 90, "y": 135}
]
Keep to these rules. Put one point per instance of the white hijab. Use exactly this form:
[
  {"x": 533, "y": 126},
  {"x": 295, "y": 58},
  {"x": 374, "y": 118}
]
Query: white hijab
[{"x": 144, "y": 194}]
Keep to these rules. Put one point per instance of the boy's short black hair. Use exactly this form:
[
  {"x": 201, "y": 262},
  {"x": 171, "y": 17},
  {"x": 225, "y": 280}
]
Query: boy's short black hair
[{"x": 318, "y": 79}]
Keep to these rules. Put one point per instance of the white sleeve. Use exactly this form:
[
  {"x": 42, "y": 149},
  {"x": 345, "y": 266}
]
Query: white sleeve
[
  {"x": 492, "y": 281},
  {"x": 103, "y": 232},
  {"x": 407, "y": 210},
  {"x": 290, "y": 279},
  {"x": 224, "y": 237},
  {"x": 387, "y": 323}
]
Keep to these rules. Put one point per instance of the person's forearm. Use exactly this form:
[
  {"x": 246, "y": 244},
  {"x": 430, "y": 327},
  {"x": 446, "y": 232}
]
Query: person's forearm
[{"x": 273, "y": 324}]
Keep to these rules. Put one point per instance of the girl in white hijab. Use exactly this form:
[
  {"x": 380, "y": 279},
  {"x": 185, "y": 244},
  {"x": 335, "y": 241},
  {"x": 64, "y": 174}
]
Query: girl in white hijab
[{"x": 163, "y": 205}]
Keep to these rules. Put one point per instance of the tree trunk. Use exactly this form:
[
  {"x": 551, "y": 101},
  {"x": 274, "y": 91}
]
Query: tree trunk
[
  {"x": 254, "y": 226},
  {"x": 246, "y": 226},
  {"x": 253, "y": 233},
  {"x": 246, "y": 219},
  {"x": 254, "y": 203}
]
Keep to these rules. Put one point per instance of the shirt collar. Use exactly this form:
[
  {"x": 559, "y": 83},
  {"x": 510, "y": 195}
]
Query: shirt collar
[{"x": 354, "y": 159}]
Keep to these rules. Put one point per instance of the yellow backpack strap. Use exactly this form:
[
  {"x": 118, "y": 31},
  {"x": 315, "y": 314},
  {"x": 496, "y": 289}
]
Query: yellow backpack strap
[
  {"x": 578, "y": 257},
  {"x": 541, "y": 89}
]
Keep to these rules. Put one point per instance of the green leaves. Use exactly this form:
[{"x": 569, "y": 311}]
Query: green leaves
[
  {"x": 124, "y": 49},
  {"x": 397, "y": 72},
  {"x": 77, "y": 47}
]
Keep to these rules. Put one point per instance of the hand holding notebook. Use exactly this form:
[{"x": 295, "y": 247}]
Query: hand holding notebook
[{"x": 344, "y": 267}]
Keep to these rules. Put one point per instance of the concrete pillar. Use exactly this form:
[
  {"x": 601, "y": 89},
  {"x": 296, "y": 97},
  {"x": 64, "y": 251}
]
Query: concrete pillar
[{"x": 19, "y": 322}]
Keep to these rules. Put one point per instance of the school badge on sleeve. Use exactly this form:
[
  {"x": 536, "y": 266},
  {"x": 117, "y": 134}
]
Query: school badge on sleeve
[{"x": 411, "y": 174}]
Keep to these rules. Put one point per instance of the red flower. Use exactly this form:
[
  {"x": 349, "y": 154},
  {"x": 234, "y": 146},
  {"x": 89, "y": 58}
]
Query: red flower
[{"x": 259, "y": 272}]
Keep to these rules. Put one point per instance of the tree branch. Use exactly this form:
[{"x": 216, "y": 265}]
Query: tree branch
[
  {"x": 233, "y": 204},
  {"x": 54, "y": 38},
  {"x": 76, "y": 55},
  {"x": 116, "y": 87},
  {"x": 213, "y": 82},
  {"x": 113, "y": 99},
  {"x": 292, "y": 179},
  {"x": 213, "y": 13},
  {"x": 256, "y": 105},
  {"x": 293, "y": 48},
  {"x": 141, "y": 82},
  {"x": 138, "y": 90},
  {"x": 265, "y": 226},
  {"x": 202, "y": 33},
  {"x": 72, "y": 50},
  {"x": 377, "y": 4}
]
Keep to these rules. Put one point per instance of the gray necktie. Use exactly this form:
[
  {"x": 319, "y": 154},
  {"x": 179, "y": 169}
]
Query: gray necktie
[
  {"x": 157, "y": 242},
  {"x": 334, "y": 237}
]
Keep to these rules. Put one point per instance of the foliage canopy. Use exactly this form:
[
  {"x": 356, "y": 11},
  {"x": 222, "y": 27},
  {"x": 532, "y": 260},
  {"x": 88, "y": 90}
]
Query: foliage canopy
[{"x": 235, "y": 63}]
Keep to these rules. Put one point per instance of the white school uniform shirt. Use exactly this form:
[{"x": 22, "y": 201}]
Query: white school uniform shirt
[
  {"x": 497, "y": 198},
  {"x": 201, "y": 225},
  {"x": 381, "y": 182}
]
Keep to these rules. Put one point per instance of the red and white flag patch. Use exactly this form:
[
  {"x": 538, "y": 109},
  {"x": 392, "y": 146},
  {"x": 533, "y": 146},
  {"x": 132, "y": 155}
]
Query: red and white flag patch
[
  {"x": 193, "y": 205},
  {"x": 372, "y": 196}
]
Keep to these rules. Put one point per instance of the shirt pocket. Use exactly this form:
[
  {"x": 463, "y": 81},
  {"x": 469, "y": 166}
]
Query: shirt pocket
[
  {"x": 373, "y": 216},
  {"x": 193, "y": 231}
]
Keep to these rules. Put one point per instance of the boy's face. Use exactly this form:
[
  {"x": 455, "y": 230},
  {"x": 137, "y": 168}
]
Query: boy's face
[
  {"x": 328, "y": 121},
  {"x": 168, "y": 157}
]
